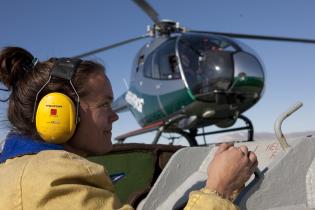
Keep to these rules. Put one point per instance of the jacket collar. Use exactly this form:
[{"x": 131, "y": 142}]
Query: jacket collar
[{"x": 17, "y": 145}]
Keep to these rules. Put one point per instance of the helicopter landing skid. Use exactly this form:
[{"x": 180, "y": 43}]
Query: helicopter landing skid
[
  {"x": 193, "y": 133},
  {"x": 249, "y": 127},
  {"x": 190, "y": 135}
]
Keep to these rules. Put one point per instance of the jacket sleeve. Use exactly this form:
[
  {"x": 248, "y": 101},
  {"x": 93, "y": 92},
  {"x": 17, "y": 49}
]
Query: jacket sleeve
[
  {"x": 206, "y": 200},
  {"x": 62, "y": 180}
]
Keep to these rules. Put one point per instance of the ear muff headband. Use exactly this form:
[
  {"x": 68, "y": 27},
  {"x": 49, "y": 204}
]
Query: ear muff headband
[{"x": 56, "y": 115}]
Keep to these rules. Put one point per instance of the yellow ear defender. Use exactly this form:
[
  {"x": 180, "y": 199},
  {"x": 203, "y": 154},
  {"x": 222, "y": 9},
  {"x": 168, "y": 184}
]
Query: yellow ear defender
[{"x": 56, "y": 116}]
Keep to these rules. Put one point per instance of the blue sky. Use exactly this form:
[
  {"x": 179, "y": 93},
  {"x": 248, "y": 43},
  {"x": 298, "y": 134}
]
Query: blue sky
[{"x": 66, "y": 28}]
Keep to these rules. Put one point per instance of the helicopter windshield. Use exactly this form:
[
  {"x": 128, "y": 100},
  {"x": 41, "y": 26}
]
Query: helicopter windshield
[{"x": 207, "y": 62}]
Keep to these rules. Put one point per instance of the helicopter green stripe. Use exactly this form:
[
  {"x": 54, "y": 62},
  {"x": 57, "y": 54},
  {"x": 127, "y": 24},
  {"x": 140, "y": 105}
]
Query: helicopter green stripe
[
  {"x": 152, "y": 112},
  {"x": 182, "y": 97}
]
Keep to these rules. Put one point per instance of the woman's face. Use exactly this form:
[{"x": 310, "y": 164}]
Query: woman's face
[{"x": 93, "y": 134}]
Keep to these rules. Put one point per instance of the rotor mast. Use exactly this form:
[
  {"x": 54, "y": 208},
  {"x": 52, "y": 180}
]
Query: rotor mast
[{"x": 165, "y": 28}]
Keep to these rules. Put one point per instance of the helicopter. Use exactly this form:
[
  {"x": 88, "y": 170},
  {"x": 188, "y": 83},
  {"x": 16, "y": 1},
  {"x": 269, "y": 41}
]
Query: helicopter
[
  {"x": 191, "y": 161},
  {"x": 183, "y": 80}
]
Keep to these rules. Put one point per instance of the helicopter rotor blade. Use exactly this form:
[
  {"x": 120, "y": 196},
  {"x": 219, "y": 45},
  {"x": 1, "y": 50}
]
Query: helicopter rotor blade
[
  {"x": 4, "y": 100},
  {"x": 110, "y": 46},
  {"x": 146, "y": 7},
  {"x": 260, "y": 37}
]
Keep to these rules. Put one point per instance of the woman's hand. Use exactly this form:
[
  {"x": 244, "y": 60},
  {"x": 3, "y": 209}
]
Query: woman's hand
[{"x": 230, "y": 168}]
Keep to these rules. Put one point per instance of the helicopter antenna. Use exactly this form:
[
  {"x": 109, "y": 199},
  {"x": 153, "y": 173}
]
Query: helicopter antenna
[
  {"x": 259, "y": 37},
  {"x": 146, "y": 7},
  {"x": 92, "y": 52},
  {"x": 126, "y": 84}
]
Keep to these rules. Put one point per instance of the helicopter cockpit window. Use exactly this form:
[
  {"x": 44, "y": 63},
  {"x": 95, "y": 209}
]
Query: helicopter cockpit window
[
  {"x": 150, "y": 68},
  {"x": 166, "y": 62},
  {"x": 207, "y": 62}
]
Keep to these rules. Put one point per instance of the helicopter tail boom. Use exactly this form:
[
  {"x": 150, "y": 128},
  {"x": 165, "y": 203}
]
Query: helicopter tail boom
[
  {"x": 120, "y": 104},
  {"x": 146, "y": 129}
]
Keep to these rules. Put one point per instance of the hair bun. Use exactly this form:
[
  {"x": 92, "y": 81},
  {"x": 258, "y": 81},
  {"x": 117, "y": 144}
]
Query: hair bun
[{"x": 14, "y": 63}]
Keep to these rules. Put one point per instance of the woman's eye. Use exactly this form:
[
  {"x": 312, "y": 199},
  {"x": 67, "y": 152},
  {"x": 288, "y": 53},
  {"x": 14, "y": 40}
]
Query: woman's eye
[{"x": 107, "y": 106}]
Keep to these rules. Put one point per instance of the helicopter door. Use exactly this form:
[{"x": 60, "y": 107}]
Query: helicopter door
[{"x": 171, "y": 87}]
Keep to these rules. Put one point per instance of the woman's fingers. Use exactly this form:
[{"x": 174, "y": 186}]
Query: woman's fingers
[
  {"x": 247, "y": 159},
  {"x": 252, "y": 161},
  {"x": 252, "y": 158},
  {"x": 244, "y": 150},
  {"x": 223, "y": 147}
]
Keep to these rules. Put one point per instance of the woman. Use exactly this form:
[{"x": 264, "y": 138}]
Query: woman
[{"x": 44, "y": 173}]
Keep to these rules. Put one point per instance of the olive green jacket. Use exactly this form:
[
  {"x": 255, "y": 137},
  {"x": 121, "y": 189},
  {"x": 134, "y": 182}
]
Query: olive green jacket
[{"x": 56, "y": 179}]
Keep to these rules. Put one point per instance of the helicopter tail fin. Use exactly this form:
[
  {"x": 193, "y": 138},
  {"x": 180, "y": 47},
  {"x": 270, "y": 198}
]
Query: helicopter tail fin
[{"x": 120, "y": 104}]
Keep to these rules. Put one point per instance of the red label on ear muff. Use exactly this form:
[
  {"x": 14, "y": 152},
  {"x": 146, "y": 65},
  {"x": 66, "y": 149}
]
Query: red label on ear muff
[{"x": 53, "y": 112}]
